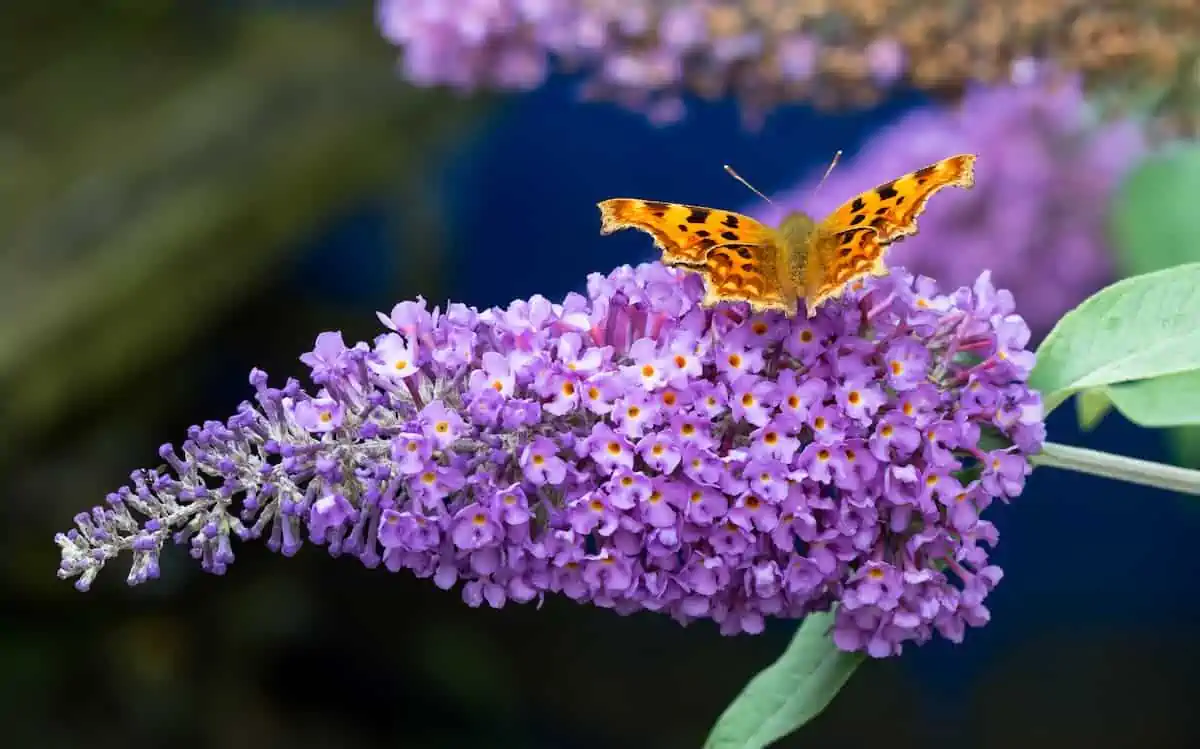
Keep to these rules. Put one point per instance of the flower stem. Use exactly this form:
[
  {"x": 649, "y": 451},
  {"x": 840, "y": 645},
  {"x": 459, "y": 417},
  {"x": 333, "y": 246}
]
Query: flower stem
[{"x": 1119, "y": 467}]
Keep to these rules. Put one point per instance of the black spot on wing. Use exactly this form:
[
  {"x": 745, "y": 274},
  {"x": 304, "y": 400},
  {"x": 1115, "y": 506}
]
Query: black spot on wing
[
  {"x": 731, "y": 221},
  {"x": 858, "y": 205},
  {"x": 698, "y": 216},
  {"x": 655, "y": 206},
  {"x": 731, "y": 236},
  {"x": 924, "y": 173},
  {"x": 886, "y": 191},
  {"x": 744, "y": 253},
  {"x": 701, "y": 232}
]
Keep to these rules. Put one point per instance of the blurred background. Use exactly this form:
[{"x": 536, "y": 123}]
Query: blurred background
[{"x": 189, "y": 189}]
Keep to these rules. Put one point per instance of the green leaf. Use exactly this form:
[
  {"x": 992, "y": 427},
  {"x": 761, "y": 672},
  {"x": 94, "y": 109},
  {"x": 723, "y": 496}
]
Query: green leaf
[
  {"x": 1090, "y": 407},
  {"x": 1153, "y": 221},
  {"x": 1153, "y": 226},
  {"x": 790, "y": 692},
  {"x": 1170, "y": 401},
  {"x": 1136, "y": 329}
]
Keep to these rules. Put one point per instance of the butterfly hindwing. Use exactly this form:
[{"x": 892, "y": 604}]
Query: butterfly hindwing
[
  {"x": 838, "y": 258},
  {"x": 746, "y": 273}
]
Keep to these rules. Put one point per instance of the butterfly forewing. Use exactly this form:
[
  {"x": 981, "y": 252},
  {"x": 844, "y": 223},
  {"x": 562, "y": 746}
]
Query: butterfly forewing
[
  {"x": 684, "y": 233},
  {"x": 892, "y": 208}
]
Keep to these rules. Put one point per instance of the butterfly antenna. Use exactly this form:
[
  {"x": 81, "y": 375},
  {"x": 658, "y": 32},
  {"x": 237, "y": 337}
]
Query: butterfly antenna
[
  {"x": 829, "y": 170},
  {"x": 752, "y": 188}
]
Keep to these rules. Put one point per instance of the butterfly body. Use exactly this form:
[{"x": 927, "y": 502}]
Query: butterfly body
[{"x": 744, "y": 260}]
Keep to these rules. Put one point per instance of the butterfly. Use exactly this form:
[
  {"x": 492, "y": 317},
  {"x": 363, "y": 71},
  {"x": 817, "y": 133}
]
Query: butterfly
[{"x": 742, "y": 260}]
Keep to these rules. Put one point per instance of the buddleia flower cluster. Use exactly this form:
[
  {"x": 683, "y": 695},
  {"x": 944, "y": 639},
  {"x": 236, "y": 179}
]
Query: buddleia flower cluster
[
  {"x": 647, "y": 53},
  {"x": 1047, "y": 172},
  {"x": 633, "y": 450}
]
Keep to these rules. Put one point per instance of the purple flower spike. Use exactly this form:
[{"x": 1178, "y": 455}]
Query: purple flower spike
[{"x": 632, "y": 450}]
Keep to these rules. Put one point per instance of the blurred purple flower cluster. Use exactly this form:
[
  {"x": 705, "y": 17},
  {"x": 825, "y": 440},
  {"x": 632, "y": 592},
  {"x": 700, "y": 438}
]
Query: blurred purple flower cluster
[
  {"x": 836, "y": 53},
  {"x": 633, "y": 450},
  {"x": 644, "y": 55},
  {"x": 1046, "y": 173}
]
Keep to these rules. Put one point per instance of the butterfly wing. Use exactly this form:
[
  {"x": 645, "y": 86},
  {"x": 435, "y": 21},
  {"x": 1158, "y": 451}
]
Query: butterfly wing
[
  {"x": 892, "y": 208},
  {"x": 745, "y": 273},
  {"x": 850, "y": 243},
  {"x": 836, "y": 259},
  {"x": 737, "y": 256}
]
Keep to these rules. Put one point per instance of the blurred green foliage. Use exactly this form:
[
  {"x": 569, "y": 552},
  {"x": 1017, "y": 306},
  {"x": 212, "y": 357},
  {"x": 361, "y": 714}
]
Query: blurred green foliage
[{"x": 158, "y": 159}]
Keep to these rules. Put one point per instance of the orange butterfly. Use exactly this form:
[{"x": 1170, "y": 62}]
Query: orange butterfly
[{"x": 741, "y": 260}]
